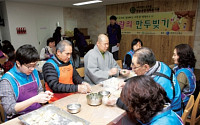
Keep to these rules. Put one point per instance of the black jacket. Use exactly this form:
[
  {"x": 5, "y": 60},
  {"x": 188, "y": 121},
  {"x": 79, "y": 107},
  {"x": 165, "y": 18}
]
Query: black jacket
[{"x": 51, "y": 77}]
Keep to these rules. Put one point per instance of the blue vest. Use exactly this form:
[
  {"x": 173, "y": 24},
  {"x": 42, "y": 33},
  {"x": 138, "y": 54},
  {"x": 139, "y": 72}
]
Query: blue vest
[
  {"x": 167, "y": 85},
  {"x": 131, "y": 52},
  {"x": 21, "y": 78},
  {"x": 188, "y": 90},
  {"x": 165, "y": 117},
  {"x": 51, "y": 60}
]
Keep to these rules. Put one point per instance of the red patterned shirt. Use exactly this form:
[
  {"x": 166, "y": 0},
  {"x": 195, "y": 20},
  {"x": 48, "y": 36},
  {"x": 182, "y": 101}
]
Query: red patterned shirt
[{"x": 7, "y": 66}]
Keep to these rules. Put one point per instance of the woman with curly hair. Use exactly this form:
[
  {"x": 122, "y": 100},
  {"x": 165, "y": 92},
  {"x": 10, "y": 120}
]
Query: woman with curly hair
[
  {"x": 184, "y": 61},
  {"x": 147, "y": 102}
]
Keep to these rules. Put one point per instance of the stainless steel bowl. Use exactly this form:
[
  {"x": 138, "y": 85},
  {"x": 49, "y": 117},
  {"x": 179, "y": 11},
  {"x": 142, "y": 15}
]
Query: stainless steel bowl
[
  {"x": 94, "y": 99},
  {"x": 74, "y": 108},
  {"x": 104, "y": 93}
]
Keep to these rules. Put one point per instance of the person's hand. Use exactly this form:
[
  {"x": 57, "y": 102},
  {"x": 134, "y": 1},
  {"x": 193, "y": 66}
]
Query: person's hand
[
  {"x": 82, "y": 88},
  {"x": 49, "y": 93},
  {"x": 121, "y": 84},
  {"x": 47, "y": 56},
  {"x": 89, "y": 89},
  {"x": 42, "y": 97},
  {"x": 125, "y": 72},
  {"x": 118, "y": 44},
  {"x": 111, "y": 101},
  {"x": 113, "y": 71}
]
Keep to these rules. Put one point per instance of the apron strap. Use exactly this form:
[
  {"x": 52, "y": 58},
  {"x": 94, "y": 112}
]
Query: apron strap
[
  {"x": 13, "y": 78},
  {"x": 60, "y": 65},
  {"x": 55, "y": 61},
  {"x": 33, "y": 76},
  {"x": 169, "y": 78}
]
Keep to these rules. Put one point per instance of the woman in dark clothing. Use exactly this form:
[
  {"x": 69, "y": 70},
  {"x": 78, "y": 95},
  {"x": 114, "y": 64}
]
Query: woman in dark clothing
[
  {"x": 6, "y": 42},
  {"x": 80, "y": 42},
  {"x": 75, "y": 58},
  {"x": 1, "y": 53},
  {"x": 57, "y": 35},
  {"x": 136, "y": 44},
  {"x": 9, "y": 51}
]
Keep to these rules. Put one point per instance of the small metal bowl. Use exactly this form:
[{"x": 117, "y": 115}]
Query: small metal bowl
[
  {"x": 104, "y": 93},
  {"x": 94, "y": 99},
  {"x": 74, "y": 108}
]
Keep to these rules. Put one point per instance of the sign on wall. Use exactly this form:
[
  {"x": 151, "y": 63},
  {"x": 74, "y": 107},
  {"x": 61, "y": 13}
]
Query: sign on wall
[{"x": 159, "y": 23}]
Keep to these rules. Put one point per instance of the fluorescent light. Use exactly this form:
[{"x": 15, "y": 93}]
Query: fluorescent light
[{"x": 87, "y": 2}]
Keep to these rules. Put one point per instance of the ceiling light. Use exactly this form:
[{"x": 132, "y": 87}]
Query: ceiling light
[{"x": 87, "y": 2}]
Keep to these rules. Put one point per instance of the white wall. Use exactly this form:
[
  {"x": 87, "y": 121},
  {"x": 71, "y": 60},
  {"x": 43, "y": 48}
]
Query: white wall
[
  {"x": 77, "y": 16},
  {"x": 39, "y": 20},
  {"x": 97, "y": 22},
  {"x": 93, "y": 19},
  {"x": 5, "y": 32}
]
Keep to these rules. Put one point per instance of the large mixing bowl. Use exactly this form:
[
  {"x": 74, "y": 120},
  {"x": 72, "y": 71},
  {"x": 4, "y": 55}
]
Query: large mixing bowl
[{"x": 94, "y": 99}]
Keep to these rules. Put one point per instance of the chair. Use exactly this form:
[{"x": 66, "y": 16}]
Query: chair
[
  {"x": 81, "y": 71},
  {"x": 194, "y": 118},
  {"x": 119, "y": 62},
  {"x": 188, "y": 109},
  {"x": 2, "y": 114},
  {"x": 82, "y": 60}
]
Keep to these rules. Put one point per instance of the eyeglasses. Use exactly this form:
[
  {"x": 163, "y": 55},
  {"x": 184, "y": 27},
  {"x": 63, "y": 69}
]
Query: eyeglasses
[
  {"x": 30, "y": 66},
  {"x": 135, "y": 67}
]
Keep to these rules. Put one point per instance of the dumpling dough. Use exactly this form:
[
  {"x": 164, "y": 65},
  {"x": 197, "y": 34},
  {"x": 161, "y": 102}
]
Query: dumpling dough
[{"x": 75, "y": 123}]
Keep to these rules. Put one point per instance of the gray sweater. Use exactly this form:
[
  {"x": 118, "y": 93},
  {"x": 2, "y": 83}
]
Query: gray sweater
[{"x": 96, "y": 67}]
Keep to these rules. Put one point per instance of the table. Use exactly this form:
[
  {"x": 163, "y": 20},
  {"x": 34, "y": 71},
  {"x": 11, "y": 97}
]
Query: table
[{"x": 96, "y": 115}]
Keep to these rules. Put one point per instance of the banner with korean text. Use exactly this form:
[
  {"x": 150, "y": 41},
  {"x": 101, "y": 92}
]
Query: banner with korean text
[{"x": 159, "y": 23}]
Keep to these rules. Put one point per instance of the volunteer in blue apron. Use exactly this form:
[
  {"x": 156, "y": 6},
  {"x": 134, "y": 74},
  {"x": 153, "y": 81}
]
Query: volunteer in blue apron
[
  {"x": 184, "y": 61},
  {"x": 60, "y": 76},
  {"x": 20, "y": 88},
  {"x": 147, "y": 102},
  {"x": 144, "y": 63},
  {"x": 135, "y": 45}
]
